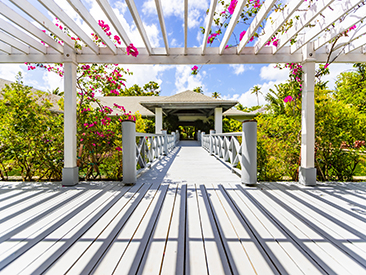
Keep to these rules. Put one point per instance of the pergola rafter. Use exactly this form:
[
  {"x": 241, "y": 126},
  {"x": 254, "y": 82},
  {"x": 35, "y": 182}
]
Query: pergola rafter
[{"x": 312, "y": 46}]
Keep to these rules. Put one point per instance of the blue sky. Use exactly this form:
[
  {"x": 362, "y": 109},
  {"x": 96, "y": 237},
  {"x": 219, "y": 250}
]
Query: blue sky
[{"x": 231, "y": 81}]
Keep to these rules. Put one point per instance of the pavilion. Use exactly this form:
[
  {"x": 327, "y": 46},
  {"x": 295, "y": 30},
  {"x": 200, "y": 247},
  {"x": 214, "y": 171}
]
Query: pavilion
[{"x": 20, "y": 42}]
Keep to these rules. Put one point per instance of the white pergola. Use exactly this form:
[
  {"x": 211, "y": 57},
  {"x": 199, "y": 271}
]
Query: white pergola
[{"x": 312, "y": 47}]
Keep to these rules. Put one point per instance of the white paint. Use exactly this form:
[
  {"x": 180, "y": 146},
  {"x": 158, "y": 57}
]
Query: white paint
[
  {"x": 158, "y": 120},
  {"x": 218, "y": 120}
]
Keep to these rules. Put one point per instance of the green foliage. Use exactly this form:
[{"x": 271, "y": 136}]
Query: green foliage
[
  {"x": 149, "y": 89},
  {"x": 231, "y": 125},
  {"x": 198, "y": 90}
]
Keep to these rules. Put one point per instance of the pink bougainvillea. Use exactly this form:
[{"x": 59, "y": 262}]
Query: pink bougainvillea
[
  {"x": 132, "y": 50},
  {"x": 232, "y": 6}
]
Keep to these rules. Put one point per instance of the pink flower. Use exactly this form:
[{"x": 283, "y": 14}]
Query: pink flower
[
  {"x": 131, "y": 50},
  {"x": 275, "y": 43},
  {"x": 288, "y": 99},
  {"x": 232, "y": 6},
  {"x": 194, "y": 70},
  {"x": 326, "y": 66},
  {"x": 242, "y": 35},
  {"x": 227, "y": 46},
  {"x": 119, "y": 149}
]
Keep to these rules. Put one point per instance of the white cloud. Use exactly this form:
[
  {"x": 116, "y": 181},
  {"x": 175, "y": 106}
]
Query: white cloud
[
  {"x": 9, "y": 71},
  {"x": 271, "y": 73},
  {"x": 53, "y": 81},
  {"x": 335, "y": 69},
  {"x": 142, "y": 74},
  {"x": 185, "y": 81},
  {"x": 240, "y": 68}
]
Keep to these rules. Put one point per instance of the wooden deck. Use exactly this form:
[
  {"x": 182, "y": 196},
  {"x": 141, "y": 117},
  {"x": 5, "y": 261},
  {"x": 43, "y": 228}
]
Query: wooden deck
[{"x": 187, "y": 215}]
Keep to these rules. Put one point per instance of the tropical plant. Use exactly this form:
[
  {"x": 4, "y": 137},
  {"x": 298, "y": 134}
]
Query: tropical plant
[{"x": 256, "y": 90}]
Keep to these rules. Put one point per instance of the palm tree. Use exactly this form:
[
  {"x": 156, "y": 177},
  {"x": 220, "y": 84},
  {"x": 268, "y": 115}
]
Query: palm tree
[
  {"x": 198, "y": 90},
  {"x": 216, "y": 95},
  {"x": 256, "y": 90}
]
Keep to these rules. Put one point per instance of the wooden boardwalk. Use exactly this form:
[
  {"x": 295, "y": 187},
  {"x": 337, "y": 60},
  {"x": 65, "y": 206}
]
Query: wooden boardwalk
[{"x": 187, "y": 215}]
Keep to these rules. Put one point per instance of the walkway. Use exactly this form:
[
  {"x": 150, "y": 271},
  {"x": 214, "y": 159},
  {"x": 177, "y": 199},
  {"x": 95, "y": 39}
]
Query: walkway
[{"x": 187, "y": 215}]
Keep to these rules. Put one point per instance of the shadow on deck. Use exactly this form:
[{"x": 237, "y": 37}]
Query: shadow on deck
[{"x": 187, "y": 215}]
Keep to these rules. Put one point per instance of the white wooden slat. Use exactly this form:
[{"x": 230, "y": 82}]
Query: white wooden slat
[
  {"x": 195, "y": 252},
  {"x": 10, "y": 29},
  {"x": 108, "y": 11},
  {"x": 14, "y": 198},
  {"x": 351, "y": 20},
  {"x": 185, "y": 26},
  {"x": 106, "y": 224},
  {"x": 29, "y": 27},
  {"x": 50, "y": 246},
  {"x": 14, "y": 43},
  {"x": 173, "y": 261},
  {"x": 303, "y": 20},
  {"x": 10, "y": 194},
  {"x": 233, "y": 21},
  {"x": 270, "y": 29},
  {"x": 208, "y": 24},
  {"x": 257, "y": 21},
  {"x": 140, "y": 26},
  {"x": 37, "y": 16},
  {"x": 162, "y": 24},
  {"x": 75, "y": 28},
  {"x": 5, "y": 48},
  {"x": 155, "y": 250},
  {"x": 356, "y": 44},
  {"x": 88, "y": 18},
  {"x": 344, "y": 263},
  {"x": 328, "y": 17}
]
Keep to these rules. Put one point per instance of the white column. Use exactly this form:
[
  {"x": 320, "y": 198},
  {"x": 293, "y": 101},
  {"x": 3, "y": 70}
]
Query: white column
[
  {"x": 70, "y": 173},
  {"x": 129, "y": 151},
  {"x": 165, "y": 140},
  {"x": 218, "y": 120},
  {"x": 307, "y": 171},
  {"x": 249, "y": 152},
  {"x": 158, "y": 120}
]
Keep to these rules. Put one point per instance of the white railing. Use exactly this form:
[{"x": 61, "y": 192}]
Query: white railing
[
  {"x": 149, "y": 148},
  {"x": 239, "y": 149}
]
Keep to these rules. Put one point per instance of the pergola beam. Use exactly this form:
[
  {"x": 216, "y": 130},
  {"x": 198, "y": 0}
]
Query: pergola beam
[
  {"x": 65, "y": 19},
  {"x": 5, "y": 48},
  {"x": 37, "y": 16},
  {"x": 162, "y": 24},
  {"x": 257, "y": 21},
  {"x": 29, "y": 27},
  {"x": 108, "y": 11},
  {"x": 233, "y": 21},
  {"x": 13, "y": 31},
  {"x": 140, "y": 26},
  {"x": 299, "y": 24},
  {"x": 354, "y": 35},
  {"x": 185, "y": 26},
  {"x": 270, "y": 29},
  {"x": 356, "y": 44},
  {"x": 14, "y": 43},
  {"x": 328, "y": 18},
  {"x": 88, "y": 19},
  {"x": 351, "y": 20},
  {"x": 209, "y": 19}
]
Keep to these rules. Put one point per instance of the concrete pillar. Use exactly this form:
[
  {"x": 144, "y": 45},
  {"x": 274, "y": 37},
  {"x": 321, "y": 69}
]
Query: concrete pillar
[
  {"x": 307, "y": 171},
  {"x": 158, "y": 120},
  {"x": 212, "y": 142},
  {"x": 249, "y": 153},
  {"x": 70, "y": 172},
  {"x": 177, "y": 135},
  {"x": 199, "y": 135},
  {"x": 202, "y": 139},
  {"x": 129, "y": 151},
  {"x": 218, "y": 120},
  {"x": 165, "y": 141}
]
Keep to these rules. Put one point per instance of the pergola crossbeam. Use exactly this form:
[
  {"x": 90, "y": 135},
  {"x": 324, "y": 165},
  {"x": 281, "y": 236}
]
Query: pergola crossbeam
[
  {"x": 356, "y": 44},
  {"x": 37, "y": 16},
  {"x": 257, "y": 21},
  {"x": 185, "y": 26},
  {"x": 329, "y": 16},
  {"x": 5, "y": 48},
  {"x": 303, "y": 20},
  {"x": 270, "y": 29},
  {"x": 140, "y": 26},
  {"x": 208, "y": 24},
  {"x": 108, "y": 11},
  {"x": 13, "y": 31},
  {"x": 14, "y": 43},
  {"x": 162, "y": 24},
  {"x": 354, "y": 35}
]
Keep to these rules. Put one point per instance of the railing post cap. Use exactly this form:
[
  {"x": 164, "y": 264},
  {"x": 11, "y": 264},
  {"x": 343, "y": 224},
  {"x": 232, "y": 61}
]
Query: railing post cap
[
  {"x": 128, "y": 120},
  {"x": 249, "y": 120}
]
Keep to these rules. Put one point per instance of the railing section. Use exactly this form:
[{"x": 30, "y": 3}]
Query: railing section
[
  {"x": 239, "y": 149},
  {"x": 149, "y": 148}
]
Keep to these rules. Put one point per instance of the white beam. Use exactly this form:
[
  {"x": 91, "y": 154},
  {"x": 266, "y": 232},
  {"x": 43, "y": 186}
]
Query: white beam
[
  {"x": 140, "y": 26},
  {"x": 257, "y": 21},
  {"x": 233, "y": 21},
  {"x": 28, "y": 26},
  {"x": 270, "y": 29},
  {"x": 218, "y": 120},
  {"x": 352, "y": 36},
  {"x": 162, "y": 25},
  {"x": 158, "y": 120},
  {"x": 357, "y": 44},
  {"x": 67, "y": 21},
  {"x": 208, "y": 24},
  {"x": 327, "y": 18},
  {"x": 37, "y": 16},
  {"x": 108, "y": 11},
  {"x": 88, "y": 18},
  {"x": 5, "y": 48},
  {"x": 351, "y": 20},
  {"x": 303, "y": 20},
  {"x": 185, "y": 26},
  {"x": 10, "y": 29},
  {"x": 14, "y": 43}
]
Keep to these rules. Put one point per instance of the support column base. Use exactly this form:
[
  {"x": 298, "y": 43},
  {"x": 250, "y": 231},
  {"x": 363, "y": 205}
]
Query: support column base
[
  {"x": 307, "y": 176},
  {"x": 70, "y": 176}
]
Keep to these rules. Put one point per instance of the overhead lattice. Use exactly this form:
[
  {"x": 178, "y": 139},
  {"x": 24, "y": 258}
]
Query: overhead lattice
[{"x": 20, "y": 39}]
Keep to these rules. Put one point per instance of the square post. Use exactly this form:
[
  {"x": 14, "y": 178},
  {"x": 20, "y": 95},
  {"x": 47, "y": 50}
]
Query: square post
[
  {"x": 70, "y": 172},
  {"x": 165, "y": 141},
  {"x": 218, "y": 120},
  {"x": 129, "y": 151},
  {"x": 248, "y": 159},
  {"x": 307, "y": 171},
  {"x": 158, "y": 120},
  {"x": 212, "y": 142}
]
